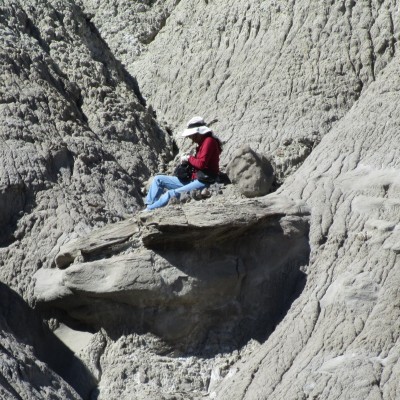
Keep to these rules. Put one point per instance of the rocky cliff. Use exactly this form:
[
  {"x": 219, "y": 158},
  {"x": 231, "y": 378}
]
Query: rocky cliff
[{"x": 287, "y": 296}]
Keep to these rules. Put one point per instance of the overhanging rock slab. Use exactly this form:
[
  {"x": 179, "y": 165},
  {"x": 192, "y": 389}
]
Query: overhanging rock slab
[{"x": 185, "y": 271}]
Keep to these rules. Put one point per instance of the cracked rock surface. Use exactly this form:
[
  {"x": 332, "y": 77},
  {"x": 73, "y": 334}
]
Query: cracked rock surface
[
  {"x": 200, "y": 283},
  {"x": 268, "y": 71}
]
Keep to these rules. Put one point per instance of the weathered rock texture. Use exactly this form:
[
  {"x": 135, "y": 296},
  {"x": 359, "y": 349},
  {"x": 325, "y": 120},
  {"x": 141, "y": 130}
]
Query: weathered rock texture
[
  {"x": 131, "y": 26},
  {"x": 312, "y": 85},
  {"x": 76, "y": 140},
  {"x": 343, "y": 332},
  {"x": 269, "y": 71}
]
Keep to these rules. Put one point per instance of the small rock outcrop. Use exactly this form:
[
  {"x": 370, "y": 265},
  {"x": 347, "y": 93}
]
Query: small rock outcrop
[
  {"x": 252, "y": 173},
  {"x": 181, "y": 273}
]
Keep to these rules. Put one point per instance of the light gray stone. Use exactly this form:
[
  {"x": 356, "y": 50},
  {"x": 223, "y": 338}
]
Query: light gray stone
[
  {"x": 76, "y": 138},
  {"x": 267, "y": 71},
  {"x": 109, "y": 236},
  {"x": 252, "y": 174}
]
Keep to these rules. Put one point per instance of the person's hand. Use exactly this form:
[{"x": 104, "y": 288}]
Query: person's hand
[{"x": 184, "y": 158}]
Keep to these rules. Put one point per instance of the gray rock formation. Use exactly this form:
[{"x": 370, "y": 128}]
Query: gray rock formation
[
  {"x": 289, "y": 157},
  {"x": 182, "y": 273},
  {"x": 131, "y": 26},
  {"x": 311, "y": 85},
  {"x": 252, "y": 174}
]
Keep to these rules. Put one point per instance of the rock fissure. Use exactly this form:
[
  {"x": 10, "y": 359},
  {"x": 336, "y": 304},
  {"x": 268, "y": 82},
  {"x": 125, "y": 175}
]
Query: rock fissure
[{"x": 8, "y": 388}]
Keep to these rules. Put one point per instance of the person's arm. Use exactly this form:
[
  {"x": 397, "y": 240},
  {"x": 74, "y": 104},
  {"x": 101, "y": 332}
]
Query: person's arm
[{"x": 206, "y": 152}]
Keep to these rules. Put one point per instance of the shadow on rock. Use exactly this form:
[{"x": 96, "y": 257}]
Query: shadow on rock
[
  {"x": 24, "y": 327},
  {"x": 235, "y": 286}
]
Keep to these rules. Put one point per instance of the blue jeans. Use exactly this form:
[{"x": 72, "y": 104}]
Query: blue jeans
[{"x": 157, "y": 198}]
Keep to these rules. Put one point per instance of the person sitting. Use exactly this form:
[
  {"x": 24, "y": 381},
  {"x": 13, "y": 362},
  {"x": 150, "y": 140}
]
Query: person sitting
[{"x": 206, "y": 160}]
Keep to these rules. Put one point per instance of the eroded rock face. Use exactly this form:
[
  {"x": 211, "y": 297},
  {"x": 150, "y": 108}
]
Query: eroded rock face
[
  {"x": 269, "y": 71},
  {"x": 290, "y": 155},
  {"x": 343, "y": 331},
  {"x": 76, "y": 140},
  {"x": 183, "y": 273}
]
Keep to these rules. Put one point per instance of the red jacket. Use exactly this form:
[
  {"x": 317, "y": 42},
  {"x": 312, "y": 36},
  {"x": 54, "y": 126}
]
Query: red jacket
[{"x": 207, "y": 156}]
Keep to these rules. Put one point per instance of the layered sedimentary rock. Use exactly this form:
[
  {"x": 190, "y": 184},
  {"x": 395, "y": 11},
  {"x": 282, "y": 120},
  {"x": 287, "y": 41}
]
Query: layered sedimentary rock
[
  {"x": 182, "y": 273},
  {"x": 196, "y": 280}
]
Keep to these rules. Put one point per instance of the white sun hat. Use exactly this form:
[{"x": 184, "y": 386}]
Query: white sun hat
[
  {"x": 192, "y": 131},
  {"x": 196, "y": 122}
]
